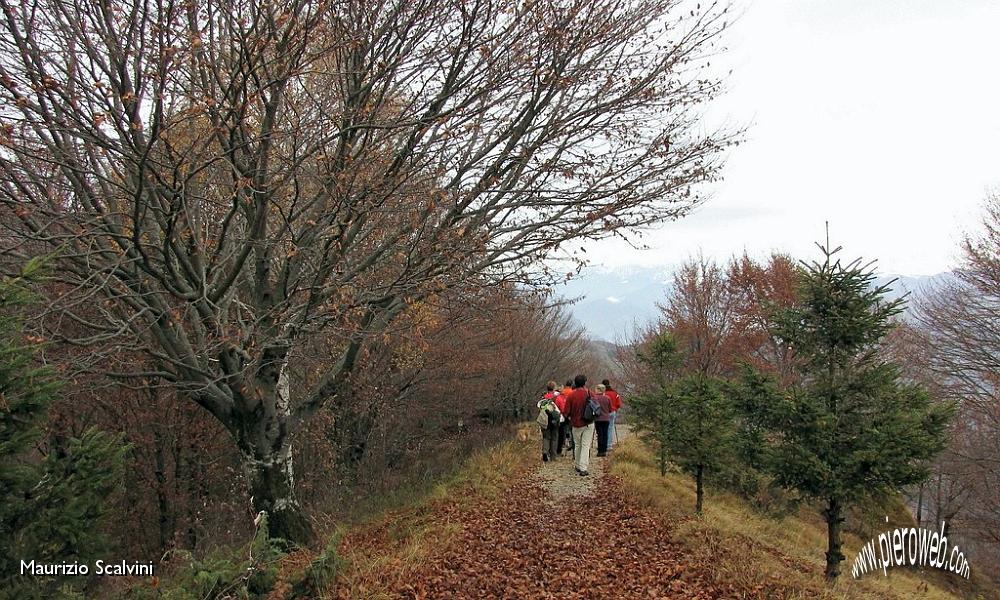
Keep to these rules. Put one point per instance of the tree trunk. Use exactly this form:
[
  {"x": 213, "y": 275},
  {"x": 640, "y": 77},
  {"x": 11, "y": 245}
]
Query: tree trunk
[
  {"x": 264, "y": 440},
  {"x": 833, "y": 554},
  {"x": 183, "y": 476},
  {"x": 663, "y": 459},
  {"x": 197, "y": 492},
  {"x": 164, "y": 521},
  {"x": 272, "y": 490},
  {"x": 699, "y": 477},
  {"x": 920, "y": 506}
]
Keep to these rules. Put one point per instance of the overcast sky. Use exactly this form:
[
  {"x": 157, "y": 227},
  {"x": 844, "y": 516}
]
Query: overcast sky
[{"x": 881, "y": 116}]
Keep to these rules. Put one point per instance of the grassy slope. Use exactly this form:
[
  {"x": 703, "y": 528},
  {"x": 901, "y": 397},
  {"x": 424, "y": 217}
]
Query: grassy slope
[
  {"x": 375, "y": 552},
  {"x": 380, "y": 552},
  {"x": 764, "y": 556}
]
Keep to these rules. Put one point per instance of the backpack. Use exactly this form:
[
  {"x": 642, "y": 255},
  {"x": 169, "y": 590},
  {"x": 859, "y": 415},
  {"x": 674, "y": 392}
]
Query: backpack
[
  {"x": 543, "y": 418},
  {"x": 554, "y": 417},
  {"x": 548, "y": 414},
  {"x": 591, "y": 410}
]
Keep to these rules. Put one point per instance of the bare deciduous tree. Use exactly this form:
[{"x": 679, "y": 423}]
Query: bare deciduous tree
[
  {"x": 958, "y": 326},
  {"x": 222, "y": 181}
]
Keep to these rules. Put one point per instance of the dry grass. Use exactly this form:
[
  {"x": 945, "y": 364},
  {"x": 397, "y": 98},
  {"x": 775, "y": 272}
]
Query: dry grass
[{"x": 766, "y": 557}]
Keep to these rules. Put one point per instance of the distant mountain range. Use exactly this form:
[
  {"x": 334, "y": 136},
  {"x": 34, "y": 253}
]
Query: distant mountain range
[{"x": 610, "y": 302}]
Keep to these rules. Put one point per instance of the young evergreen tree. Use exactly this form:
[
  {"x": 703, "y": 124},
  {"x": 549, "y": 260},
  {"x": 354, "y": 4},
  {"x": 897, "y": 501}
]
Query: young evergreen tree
[
  {"x": 701, "y": 425},
  {"x": 752, "y": 392},
  {"x": 651, "y": 407},
  {"x": 849, "y": 426},
  {"x": 687, "y": 415},
  {"x": 51, "y": 506}
]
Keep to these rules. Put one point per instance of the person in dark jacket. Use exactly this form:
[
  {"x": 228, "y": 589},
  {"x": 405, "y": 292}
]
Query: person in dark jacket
[
  {"x": 603, "y": 420},
  {"x": 549, "y": 420}
]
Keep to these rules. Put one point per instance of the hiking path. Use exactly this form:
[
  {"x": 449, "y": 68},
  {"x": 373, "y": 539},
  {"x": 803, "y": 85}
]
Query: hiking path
[{"x": 556, "y": 534}]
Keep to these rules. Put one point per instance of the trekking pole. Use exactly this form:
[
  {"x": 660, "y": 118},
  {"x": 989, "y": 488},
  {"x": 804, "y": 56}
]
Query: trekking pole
[{"x": 617, "y": 437}]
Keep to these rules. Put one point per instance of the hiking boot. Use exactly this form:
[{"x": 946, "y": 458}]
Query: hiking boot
[
  {"x": 545, "y": 457},
  {"x": 601, "y": 454},
  {"x": 583, "y": 473}
]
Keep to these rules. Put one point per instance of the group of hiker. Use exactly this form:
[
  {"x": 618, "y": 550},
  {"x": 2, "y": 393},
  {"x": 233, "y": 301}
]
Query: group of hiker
[{"x": 569, "y": 417}]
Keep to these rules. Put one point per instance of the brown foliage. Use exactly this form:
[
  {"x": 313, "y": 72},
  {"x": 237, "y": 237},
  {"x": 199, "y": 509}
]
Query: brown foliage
[
  {"x": 597, "y": 546},
  {"x": 719, "y": 318},
  {"x": 228, "y": 185},
  {"x": 445, "y": 381}
]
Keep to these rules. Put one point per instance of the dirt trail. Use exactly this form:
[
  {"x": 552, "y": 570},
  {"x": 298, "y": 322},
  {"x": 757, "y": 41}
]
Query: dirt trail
[
  {"x": 560, "y": 481},
  {"x": 556, "y": 534}
]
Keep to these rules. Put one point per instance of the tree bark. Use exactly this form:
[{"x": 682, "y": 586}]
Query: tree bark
[
  {"x": 920, "y": 506},
  {"x": 834, "y": 556},
  {"x": 264, "y": 438},
  {"x": 699, "y": 477},
  {"x": 272, "y": 490}
]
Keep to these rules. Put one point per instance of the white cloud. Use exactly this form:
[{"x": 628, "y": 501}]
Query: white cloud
[{"x": 612, "y": 300}]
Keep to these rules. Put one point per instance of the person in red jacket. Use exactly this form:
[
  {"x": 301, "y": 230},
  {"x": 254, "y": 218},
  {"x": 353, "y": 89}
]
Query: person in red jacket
[
  {"x": 566, "y": 431},
  {"x": 560, "y": 400},
  {"x": 616, "y": 404},
  {"x": 583, "y": 433}
]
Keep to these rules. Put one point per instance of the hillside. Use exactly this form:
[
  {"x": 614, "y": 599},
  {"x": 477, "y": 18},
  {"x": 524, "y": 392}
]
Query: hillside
[
  {"x": 505, "y": 525},
  {"x": 609, "y": 302},
  {"x": 777, "y": 555}
]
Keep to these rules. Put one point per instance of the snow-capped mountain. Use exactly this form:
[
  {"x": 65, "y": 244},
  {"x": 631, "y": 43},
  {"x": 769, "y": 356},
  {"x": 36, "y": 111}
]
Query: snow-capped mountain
[{"x": 609, "y": 302}]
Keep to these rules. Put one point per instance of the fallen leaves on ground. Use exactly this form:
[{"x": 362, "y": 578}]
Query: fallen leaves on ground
[{"x": 595, "y": 546}]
